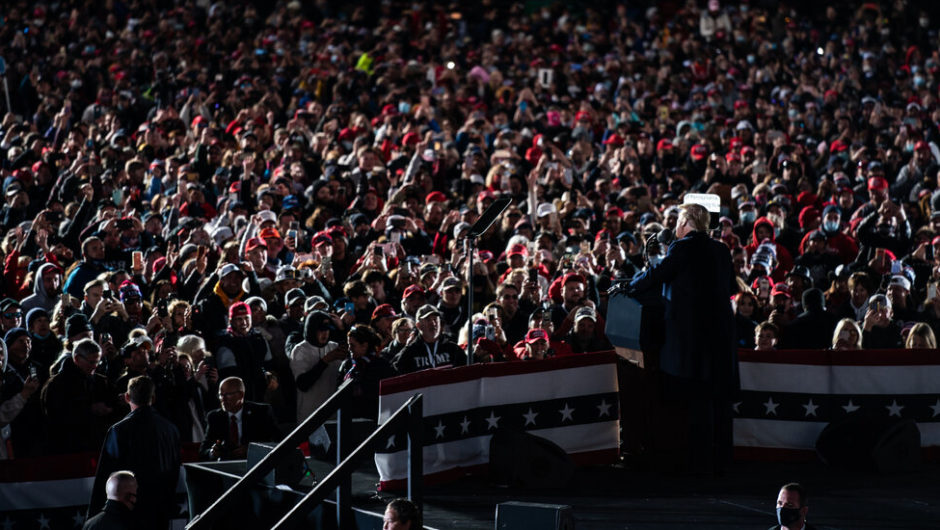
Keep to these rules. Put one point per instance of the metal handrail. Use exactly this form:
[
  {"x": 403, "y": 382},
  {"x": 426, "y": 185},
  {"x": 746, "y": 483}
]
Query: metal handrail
[
  {"x": 411, "y": 412},
  {"x": 263, "y": 467}
]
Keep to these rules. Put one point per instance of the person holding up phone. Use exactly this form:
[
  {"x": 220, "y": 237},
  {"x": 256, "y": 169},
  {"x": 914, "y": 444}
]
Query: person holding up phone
[
  {"x": 879, "y": 328},
  {"x": 21, "y": 377}
]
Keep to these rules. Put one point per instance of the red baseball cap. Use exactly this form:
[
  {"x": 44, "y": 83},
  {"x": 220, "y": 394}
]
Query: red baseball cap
[
  {"x": 384, "y": 310},
  {"x": 781, "y": 289},
  {"x": 238, "y": 309},
  {"x": 698, "y": 152},
  {"x": 535, "y": 335},
  {"x": 572, "y": 277},
  {"x": 254, "y": 243},
  {"x": 435, "y": 196},
  {"x": 517, "y": 250},
  {"x": 663, "y": 144},
  {"x": 413, "y": 290},
  {"x": 321, "y": 238},
  {"x": 614, "y": 139},
  {"x": 877, "y": 183}
]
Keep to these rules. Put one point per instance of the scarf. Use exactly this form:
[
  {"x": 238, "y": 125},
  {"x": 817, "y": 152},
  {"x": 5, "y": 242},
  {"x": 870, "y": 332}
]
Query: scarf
[{"x": 226, "y": 301}]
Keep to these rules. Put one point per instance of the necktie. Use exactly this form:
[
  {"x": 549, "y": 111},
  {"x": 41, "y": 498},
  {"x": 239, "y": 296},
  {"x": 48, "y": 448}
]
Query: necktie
[{"x": 233, "y": 431}]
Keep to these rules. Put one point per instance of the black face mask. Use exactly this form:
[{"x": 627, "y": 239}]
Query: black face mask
[{"x": 787, "y": 516}]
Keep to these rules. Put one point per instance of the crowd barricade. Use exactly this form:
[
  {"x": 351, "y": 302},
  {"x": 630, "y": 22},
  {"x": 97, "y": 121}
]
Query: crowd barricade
[
  {"x": 571, "y": 401},
  {"x": 789, "y": 396}
]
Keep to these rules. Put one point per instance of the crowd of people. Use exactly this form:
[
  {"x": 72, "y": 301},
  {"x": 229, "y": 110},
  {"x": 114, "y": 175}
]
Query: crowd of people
[{"x": 281, "y": 193}]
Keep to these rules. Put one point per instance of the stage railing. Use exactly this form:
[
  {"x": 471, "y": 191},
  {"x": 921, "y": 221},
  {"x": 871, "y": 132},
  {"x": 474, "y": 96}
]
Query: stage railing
[{"x": 341, "y": 477}]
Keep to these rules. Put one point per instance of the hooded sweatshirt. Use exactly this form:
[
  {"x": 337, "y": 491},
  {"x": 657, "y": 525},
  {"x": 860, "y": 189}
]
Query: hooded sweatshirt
[
  {"x": 316, "y": 380},
  {"x": 40, "y": 298},
  {"x": 784, "y": 259}
]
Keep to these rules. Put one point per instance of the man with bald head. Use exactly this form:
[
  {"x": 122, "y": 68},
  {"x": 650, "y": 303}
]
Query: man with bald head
[{"x": 121, "y": 490}]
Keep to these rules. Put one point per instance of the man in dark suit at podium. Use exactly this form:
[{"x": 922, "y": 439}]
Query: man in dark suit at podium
[
  {"x": 698, "y": 359},
  {"x": 237, "y": 424}
]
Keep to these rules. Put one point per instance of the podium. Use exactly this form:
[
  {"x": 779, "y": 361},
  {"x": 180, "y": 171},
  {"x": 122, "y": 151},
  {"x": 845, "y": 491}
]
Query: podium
[{"x": 624, "y": 325}]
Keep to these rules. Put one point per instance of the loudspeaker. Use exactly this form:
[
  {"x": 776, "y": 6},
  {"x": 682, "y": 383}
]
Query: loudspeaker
[
  {"x": 520, "y": 459},
  {"x": 515, "y": 515},
  {"x": 864, "y": 443},
  {"x": 289, "y": 471}
]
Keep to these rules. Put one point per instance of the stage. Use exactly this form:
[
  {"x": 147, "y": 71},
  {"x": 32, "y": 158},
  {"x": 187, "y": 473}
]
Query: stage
[{"x": 620, "y": 497}]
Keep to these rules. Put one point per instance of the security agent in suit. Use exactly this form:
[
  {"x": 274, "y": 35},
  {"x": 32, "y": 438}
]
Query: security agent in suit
[
  {"x": 148, "y": 445},
  {"x": 237, "y": 424},
  {"x": 118, "y": 509},
  {"x": 698, "y": 358}
]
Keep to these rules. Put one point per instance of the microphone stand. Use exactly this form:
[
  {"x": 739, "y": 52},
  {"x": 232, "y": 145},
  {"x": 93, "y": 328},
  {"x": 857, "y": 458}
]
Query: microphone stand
[{"x": 478, "y": 229}]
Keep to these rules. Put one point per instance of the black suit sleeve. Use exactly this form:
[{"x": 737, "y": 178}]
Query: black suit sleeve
[
  {"x": 213, "y": 434},
  {"x": 308, "y": 378}
]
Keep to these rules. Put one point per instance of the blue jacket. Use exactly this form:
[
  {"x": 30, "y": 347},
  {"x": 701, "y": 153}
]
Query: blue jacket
[{"x": 697, "y": 281}]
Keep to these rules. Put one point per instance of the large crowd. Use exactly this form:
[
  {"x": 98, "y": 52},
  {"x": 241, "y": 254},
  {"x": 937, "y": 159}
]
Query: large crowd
[{"x": 282, "y": 192}]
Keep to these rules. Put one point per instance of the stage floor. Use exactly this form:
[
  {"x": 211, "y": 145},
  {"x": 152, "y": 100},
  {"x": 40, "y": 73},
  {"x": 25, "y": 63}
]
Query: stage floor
[{"x": 617, "y": 497}]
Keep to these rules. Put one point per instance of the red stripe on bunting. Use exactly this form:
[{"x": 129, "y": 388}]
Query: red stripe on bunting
[{"x": 444, "y": 376}]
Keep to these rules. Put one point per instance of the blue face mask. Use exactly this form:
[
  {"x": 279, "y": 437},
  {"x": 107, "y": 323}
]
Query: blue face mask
[
  {"x": 748, "y": 217},
  {"x": 404, "y": 107},
  {"x": 831, "y": 226},
  {"x": 656, "y": 259}
]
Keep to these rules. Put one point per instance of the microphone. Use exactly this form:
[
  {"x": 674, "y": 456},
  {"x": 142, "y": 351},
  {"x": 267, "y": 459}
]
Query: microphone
[{"x": 666, "y": 237}]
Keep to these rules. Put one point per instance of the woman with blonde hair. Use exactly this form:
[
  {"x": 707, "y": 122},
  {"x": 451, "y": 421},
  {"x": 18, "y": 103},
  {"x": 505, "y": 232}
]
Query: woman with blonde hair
[
  {"x": 847, "y": 335},
  {"x": 921, "y": 337}
]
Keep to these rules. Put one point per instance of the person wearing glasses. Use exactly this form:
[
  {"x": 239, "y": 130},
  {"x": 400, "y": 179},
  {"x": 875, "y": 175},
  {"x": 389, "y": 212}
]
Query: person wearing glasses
[
  {"x": 79, "y": 403},
  {"x": 236, "y": 424},
  {"x": 11, "y": 315}
]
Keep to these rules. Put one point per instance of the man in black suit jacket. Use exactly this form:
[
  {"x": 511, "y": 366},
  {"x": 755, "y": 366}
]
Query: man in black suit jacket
[
  {"x": 148, "y": 445},
  {"x": 237, "y": 424},
  {"x": 699, "y": 357}
]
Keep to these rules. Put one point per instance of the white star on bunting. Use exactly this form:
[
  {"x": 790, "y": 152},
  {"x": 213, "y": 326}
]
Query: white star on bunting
[
  {"x": 78, "y": 519},
  {"x": 850, "y": 407},
  {"x": 530, "y": 417},
  {"x": 894, "y": 409},
  {"x": 566, "y": 413},
  {"x": 391, "y": 442},
  {"x": 936, "y": 409},
  {"x": 493, "y": 420},
  {"x": 603, "y": 409},
  {"x": 43, "y": 522},
  {"x": 735, "y": 407},
  {"x": 810, "y": 408},
  {"x": 439, "y": 430},
  {"x": 465, "y": 426},
  {"x": 771, "y": 407}
]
